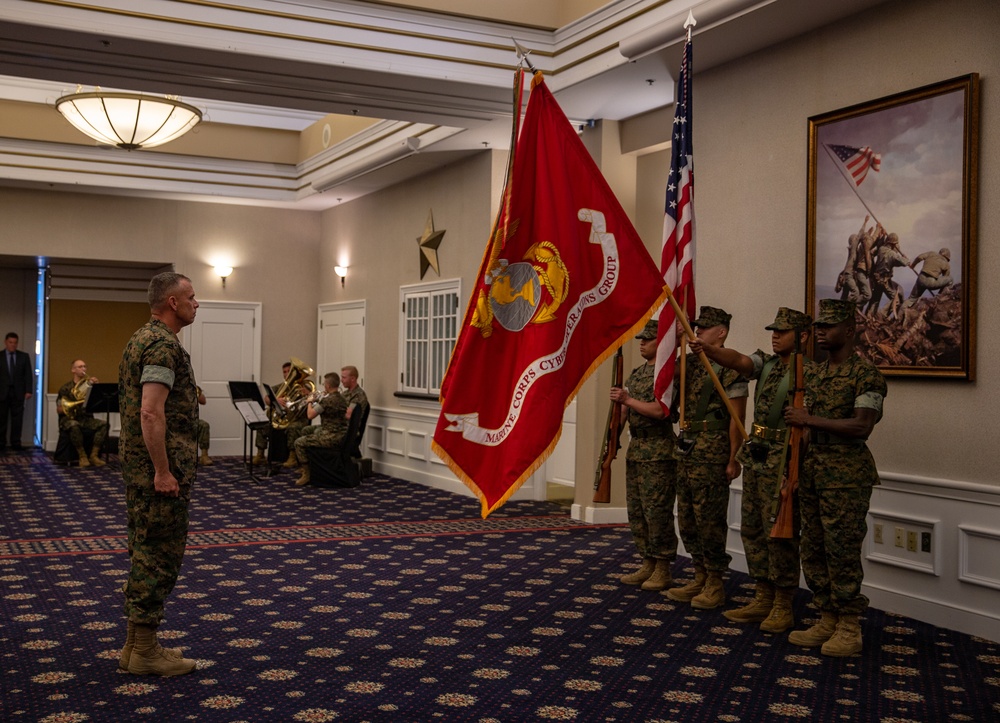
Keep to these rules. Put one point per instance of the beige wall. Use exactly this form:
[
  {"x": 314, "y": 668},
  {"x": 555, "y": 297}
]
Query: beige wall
[
  {"x": 376, "y": 236},
  {"x": 273, "y": 251},
  {"x": 751, "y": 158}
]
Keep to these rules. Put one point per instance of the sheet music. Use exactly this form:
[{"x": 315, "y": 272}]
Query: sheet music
[{"x": 252, "y": 413}]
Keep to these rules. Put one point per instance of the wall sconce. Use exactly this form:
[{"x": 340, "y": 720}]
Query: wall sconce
[
  {"x": 341, "y": 271},
  {"x": 223, "y": 272}
]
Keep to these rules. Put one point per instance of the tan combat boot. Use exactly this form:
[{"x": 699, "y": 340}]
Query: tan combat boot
[
  {"x": 713, "y": 595},
  {"x": 757, "y": 609},
  {"x": 688, "y": 592},
  {"x": 304, "y": 479},
  {"x": 846, "y": 639},
  {"x": 660, "y": 578},
  {"x": 259, "y": 459},
  {"x": 817, "y": 634},
  {"x": 82, "y": 454},
  {"x": 96, "y": 461},
  {"x": 781, "y": 617},
  {"x": 641, "y": 575},
  {"x": 292, "y": 461},
  {"x": 204, "y": 460},
  {"x": 148, "y": 657}
]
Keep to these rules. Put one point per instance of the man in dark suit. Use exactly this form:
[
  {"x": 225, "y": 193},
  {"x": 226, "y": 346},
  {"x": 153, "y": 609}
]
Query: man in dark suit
[{"x": 17, "y": 382}]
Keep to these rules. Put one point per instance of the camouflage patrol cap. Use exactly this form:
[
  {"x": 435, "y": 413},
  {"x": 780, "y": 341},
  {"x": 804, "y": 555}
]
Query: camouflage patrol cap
[
  {"x": 787, "y": 319},
  {"x": 649, "y": 331},
  {"x": 709, "y": 316},
  {"x": 834, "y": 311}
]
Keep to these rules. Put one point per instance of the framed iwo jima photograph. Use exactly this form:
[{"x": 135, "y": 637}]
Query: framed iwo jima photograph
[{"x": 892, "y": 225}]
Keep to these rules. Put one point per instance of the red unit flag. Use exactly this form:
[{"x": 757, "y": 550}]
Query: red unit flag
[{"x": 564, "y": 281}]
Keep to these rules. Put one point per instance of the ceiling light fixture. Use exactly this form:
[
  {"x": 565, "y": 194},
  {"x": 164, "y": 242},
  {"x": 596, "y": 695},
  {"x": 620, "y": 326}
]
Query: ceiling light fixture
[{"x": 129, "y": 120}]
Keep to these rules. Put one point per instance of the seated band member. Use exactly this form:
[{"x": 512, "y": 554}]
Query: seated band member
[
  {"x": 203, "y": 433},
  {"x": 263, "y": 435},
  {"x": 331, "y": 408},
  {"x": 73, "y": 419},
  {"x": 295, "y": 416},
  {"x": 353, "y": 393}
]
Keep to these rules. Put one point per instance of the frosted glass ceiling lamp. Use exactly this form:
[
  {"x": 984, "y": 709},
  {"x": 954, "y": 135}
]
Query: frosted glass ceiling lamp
[{"x": 128, "y": 120}]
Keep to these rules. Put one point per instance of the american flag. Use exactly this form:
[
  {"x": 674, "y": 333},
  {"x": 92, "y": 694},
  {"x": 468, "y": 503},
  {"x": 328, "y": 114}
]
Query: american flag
[
  {"x": 856, "y": 161},
  {"x": 677, "y": 252}
]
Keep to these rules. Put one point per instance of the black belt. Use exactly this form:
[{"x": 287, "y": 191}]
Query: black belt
[
  {"x": 828, "y": 438},
  {"x": 647, "y": 432}
]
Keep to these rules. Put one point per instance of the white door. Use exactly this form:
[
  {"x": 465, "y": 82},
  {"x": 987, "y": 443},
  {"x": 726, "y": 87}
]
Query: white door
[
  {"x": 341, "y": 339},
  {"x": 224, "y": 343}
]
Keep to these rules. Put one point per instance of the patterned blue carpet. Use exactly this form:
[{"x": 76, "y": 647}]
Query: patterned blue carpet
[{"x": 395, "y": 602}]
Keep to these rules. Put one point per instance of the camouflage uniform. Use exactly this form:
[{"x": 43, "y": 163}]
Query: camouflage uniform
[
  {"x": 331, "y": 431},
  {"x": 203, "y": 434},
  {"x": 650, "y": 474},
  {"x": 82, "y": 420},
  {"x": 768, "y": 559},
  {"x": 157, "y": 524},
  {"x": 355, "y": 396},
  {"x": 836, "y": 485},
  {"x": 702, "y": 486}
]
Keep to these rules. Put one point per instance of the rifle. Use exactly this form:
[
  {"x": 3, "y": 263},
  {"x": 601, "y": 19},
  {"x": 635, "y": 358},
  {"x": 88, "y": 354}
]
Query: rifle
[
  {"x": 612, "y": 443},
  {"x": 784, "y": 526}
]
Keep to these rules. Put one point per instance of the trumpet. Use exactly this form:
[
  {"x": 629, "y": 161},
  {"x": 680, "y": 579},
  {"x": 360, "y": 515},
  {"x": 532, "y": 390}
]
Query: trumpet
[{"x": 303, "y": 402}]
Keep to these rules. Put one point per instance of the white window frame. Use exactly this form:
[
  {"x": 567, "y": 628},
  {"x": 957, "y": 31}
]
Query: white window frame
[{"x": 445, "y": 332}]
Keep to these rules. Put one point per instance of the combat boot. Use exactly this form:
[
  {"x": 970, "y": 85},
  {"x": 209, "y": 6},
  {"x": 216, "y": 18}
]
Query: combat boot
[
  {"x": 817, "y": 634},
  {"x": 204, "y": 460},
  {"x": 304, "y": 479},
  {"x": 148, "y": 657},
  {"x": 781, "y": 617},
  {"x": 259, "y": 459},
  {"x": 846, "y": 639},
  {"x": 688, "y": 592},
  {"x": 96, "y": 461},
  {"x": 660, "y": 578},
  {"x": 126, "y": 655},
  {"x": 82, "y": 454},
  {"x": 713, "y": 595},
  {"x": 292, "y": 461},
  {"x": 757, "y": 609},
  {"x": 641, "y": 575}
]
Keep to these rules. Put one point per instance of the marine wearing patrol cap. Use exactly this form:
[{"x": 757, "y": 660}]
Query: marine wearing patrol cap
[
  {"x": 709, "y": 316},
  {"x": 787, "y": 319},
  {"x": 649, "y": 331},
  {"x": 834, "y": 311}
]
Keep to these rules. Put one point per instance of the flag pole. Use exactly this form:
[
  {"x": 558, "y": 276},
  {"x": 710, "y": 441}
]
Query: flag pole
[
  {"x": 708, "y": 365},
  {"x": 843, "y": 172}
]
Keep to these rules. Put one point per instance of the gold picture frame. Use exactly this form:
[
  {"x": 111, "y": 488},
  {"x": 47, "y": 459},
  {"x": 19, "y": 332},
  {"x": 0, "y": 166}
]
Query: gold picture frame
[{"x": 892, "y": 195}]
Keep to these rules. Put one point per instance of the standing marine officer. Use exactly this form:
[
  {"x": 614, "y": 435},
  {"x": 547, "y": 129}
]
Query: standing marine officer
[{"x": 159, "y": 408}]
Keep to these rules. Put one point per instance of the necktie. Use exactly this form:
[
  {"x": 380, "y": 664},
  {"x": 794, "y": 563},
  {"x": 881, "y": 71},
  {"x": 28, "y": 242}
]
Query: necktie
[{"x": 10, "y": 364}]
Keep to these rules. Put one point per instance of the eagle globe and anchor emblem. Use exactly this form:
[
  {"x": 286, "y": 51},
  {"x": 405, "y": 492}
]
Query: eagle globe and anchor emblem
[{"x": 525, "y": 292}]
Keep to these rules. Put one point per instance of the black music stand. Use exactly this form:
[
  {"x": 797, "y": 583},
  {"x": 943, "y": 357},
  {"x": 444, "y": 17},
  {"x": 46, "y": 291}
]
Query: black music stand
[
  {"x": 103, "y": 398},
  {"x": 250, "y": 404}
]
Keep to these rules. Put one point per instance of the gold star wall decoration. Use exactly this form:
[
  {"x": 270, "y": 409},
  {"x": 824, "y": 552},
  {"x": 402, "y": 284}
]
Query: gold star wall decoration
[{"x": 428, "y": 243}]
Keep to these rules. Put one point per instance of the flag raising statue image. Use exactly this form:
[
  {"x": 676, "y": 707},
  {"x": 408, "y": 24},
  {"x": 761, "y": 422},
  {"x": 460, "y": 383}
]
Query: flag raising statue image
[{"x": 564, "y": 280}]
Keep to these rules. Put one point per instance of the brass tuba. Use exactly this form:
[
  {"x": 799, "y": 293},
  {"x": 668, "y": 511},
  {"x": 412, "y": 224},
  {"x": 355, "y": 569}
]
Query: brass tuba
[
  {"x": 297, "y": 386},
  {"x": 72, "y": 407}
]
